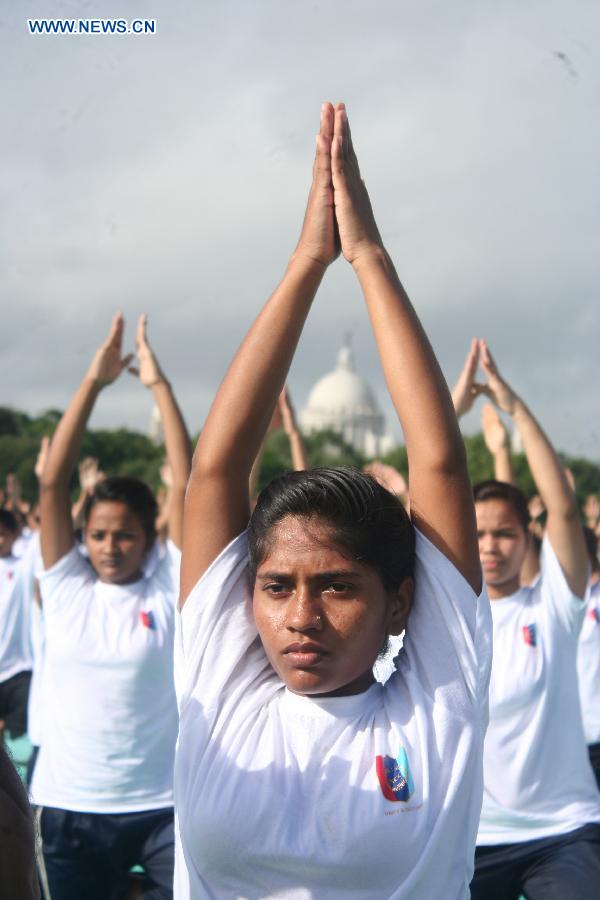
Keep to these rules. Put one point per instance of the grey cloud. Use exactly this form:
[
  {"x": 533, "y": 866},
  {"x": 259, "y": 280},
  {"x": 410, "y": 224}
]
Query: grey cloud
[{"x": 169, "y": 174}]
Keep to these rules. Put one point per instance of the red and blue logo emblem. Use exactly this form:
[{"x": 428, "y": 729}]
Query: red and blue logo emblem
[
  {"x": 530, "y": 635},
  {"x": 147, "y": 620},
  {"x": 395, "y": 778},
  {"x": 594, "y": 613}
]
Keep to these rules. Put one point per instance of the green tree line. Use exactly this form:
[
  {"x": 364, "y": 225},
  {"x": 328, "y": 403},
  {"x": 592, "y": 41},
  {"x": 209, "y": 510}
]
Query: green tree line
[{"x": 124, "y": 452}]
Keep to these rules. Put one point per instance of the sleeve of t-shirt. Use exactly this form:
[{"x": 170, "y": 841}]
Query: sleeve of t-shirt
[
  {"x": 62, "y": 582},
  {"x": 448, "y": 642},
  {"x": 556, "y": 595},
  {"x": 218, "y": 651}
]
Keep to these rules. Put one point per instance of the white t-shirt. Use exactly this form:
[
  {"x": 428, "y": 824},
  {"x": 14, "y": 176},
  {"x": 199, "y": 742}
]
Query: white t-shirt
[
  {"x": 31, "y": 561},
  {"x": 15, "y": 599},
  {"x": 281, "y": 795},
  {"x": 537, "y": 777},
  {"x": 110, "y": 715},
  {"x": 588, "y": 667}
]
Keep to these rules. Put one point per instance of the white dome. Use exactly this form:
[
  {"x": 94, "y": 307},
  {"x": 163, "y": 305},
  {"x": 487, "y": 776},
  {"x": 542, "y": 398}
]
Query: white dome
[
  {"x": 343, "y": 391},
  {"x": 344, "y": 402}
]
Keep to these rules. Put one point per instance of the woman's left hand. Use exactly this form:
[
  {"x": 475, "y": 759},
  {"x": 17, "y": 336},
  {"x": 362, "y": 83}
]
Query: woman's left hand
[
  {"x": 497, "y": 388},
  {"x": 148, "y": 370},
  {"x": 319, "y": 239}
]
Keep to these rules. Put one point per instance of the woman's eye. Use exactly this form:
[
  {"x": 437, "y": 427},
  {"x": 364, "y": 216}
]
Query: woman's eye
[
  {"x": 276, "y": 588},
  {"x": 337, "y": 587}
]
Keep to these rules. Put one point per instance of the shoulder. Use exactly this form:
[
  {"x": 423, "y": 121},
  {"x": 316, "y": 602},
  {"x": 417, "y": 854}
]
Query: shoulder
[{"x": 72, "y": 574}]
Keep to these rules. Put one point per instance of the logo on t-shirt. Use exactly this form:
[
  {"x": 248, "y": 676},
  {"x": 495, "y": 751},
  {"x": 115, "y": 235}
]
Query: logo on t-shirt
[
  {"x": 147, "y": 620},
  {"x": 530, "y": 635},
  {"x": 594, "y": 613},
  {"x": 394, "y": 776}
]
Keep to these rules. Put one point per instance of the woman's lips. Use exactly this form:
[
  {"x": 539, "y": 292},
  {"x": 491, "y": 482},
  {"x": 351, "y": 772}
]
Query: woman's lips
[{"x": 304, "y": 656}]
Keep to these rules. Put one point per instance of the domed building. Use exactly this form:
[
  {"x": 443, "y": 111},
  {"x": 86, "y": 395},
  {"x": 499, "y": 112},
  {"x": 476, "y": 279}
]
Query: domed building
[{"x": 343, "y": 402}]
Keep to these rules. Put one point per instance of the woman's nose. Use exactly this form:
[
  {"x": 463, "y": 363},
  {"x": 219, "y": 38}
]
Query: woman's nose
[{"x": 304, "y": 613}]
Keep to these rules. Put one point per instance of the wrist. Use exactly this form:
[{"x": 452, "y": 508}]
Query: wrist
[
  {"x": 93, "y": 384},
  {"x": 158, "y": 382},
  {"x": 519, "y": 411},
  {"x": 372, "y": 256},
  {"x": 302, "y": 261}
]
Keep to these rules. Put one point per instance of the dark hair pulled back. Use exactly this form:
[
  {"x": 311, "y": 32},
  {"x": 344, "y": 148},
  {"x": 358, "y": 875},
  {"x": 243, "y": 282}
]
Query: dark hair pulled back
[
  {"x": 123, "y": 489},
  {"x": 9, "y": 520},
  {"x": 367, "y": 521}
]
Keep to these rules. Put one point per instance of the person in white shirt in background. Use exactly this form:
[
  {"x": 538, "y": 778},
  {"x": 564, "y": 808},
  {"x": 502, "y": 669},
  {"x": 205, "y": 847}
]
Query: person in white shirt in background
[
  {"x": 539, "y": 833},
  {"x": 588, "y": 659},
  {"x": 103, "y": 778},
  {"x": 15, "y": 644},
  {"x": 297, "y": 775}
]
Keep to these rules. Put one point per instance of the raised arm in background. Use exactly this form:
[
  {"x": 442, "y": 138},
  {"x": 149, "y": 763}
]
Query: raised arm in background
[
  {"x": 441, "y": 501},
  {"x": 89, "y": 476},
  {"x": 290, "y": 426},
  {"x": 217, "y": 504},
  {"x": 177, "y": 439},
  {"x": 563, "y": 523},
  {"x": 57, "y": 536},
  {"x": 466, "y": 390},
  {"x": 496, "y": 440}
]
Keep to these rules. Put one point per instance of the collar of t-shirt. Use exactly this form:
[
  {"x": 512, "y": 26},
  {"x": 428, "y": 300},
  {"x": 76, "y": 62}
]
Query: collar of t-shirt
[
  {"x": 119, "y": 592},
  {"x": 348, "y": 707}
]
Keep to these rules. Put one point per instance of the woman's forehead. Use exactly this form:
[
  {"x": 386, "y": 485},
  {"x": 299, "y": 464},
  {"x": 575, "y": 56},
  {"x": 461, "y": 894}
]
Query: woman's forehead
[{"x": 296, "y": 542}]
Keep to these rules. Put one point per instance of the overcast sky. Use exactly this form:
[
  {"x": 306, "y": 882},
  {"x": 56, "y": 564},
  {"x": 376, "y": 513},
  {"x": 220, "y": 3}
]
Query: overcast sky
[{"x": 168, "y": 173}]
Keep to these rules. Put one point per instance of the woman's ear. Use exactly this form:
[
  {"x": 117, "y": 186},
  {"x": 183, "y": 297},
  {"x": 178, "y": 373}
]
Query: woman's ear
[{"x": 400, "y": 605}]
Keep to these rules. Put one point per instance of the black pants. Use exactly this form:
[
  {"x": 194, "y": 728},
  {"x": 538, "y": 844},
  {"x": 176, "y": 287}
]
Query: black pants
[
  {"x": 14, "y": 694},
  {"x": 594, "y": 751},
  {"x": 557, "y": 868},
  {"x": 87, "y": 856}
]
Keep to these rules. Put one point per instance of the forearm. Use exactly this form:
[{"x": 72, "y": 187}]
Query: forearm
[
  {"x": 244, "y": 404},
  {"x": 422, "y": 400},
  {"x": 77, "y": 510},
  {"x": 66, "y": 442},
  {"x": 177, "y": 439},
  {"x": 546, "y": 468},
  {"x": 298, "y": 450},
  {"x": 503, "y": 470}
]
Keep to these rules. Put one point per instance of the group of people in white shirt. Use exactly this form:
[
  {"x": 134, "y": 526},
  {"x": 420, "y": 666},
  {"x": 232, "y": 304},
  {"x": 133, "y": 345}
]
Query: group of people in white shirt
[{"x": 242, "y": 739}]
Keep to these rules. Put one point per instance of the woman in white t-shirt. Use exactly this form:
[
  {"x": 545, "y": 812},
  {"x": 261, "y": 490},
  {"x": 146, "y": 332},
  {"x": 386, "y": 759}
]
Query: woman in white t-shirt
[
  {"x": 539, "y": 833},
  {"x": 296, "y": 774},
  {"x": 588, "y": 659},
  {"x": 103, "y": 778}
]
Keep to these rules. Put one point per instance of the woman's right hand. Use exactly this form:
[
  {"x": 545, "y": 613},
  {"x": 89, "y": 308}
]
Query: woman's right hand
[
  {"x": 108, "y": 363},
  {"x": 319, "y": 239},
  {"x": 354, "y": 215},
  {"x": 497, "y": 388}
]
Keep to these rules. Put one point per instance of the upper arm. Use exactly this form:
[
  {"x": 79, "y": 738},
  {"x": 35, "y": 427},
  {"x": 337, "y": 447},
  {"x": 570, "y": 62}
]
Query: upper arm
[
  {"x": 566, "y": 536},
  {"x": 441, "y": 506},
  {"x": 175, "y": 517},
  {"x": 216, "y": 510},
  {"x": 56, "y": 530}
]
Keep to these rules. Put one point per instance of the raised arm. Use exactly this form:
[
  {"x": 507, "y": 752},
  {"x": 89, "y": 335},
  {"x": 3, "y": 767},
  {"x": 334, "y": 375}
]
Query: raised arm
[
  {"x": 467, "y": 389},
  {"x": 290, "y": 426},
  {"x": 440, "y": 494},
  {"x": 563, "y": 524},
  {"x": 495, "y": 436},
  {"x": 177, "y": 439},
  {"x": 55, "y": 507},
  {"x": 217, "y": 504}
]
